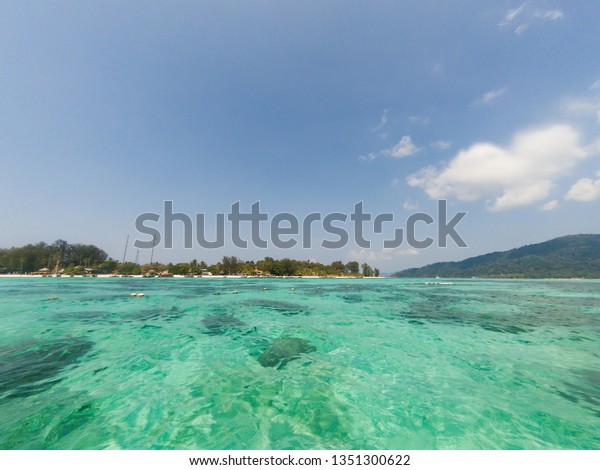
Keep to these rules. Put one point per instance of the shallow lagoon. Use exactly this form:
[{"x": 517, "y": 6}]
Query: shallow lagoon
[{"x": 369, "y": 364}]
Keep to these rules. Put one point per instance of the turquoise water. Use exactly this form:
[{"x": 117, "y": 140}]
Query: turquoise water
[{"x": 369, "y": 364}]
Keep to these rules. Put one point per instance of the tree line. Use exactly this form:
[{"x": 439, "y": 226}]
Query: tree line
[
  {"x": 31, "y": 258},
  {"x": 572, "y": 256},
  {"x": 78, "y": 259}
]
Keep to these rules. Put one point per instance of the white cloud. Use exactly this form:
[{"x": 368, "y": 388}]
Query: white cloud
[
  {"x": 441, "y": 145},
  {"x": 369, "y": 255},
  {"x": 512, "y": 14},
  {"x": 550, "y": 205},
  {"x": 518, "y": 175},
  {"x": 491, "y": 96},
  {"x": 423, "y": 120},
  {"x": 521, "y": 28},
  {"x": 520, "y": 18},
  {"x": 369, "y": 157},
  {"x": 585, "y": 190},
  {"x": 581, "y": 106},
  {"x": 409, "y": 206},
  {"x": 584, "y": 107},
  {"x": 593, "y": 148},
  {"x": 549, "y": 15},
  {"x": 404, "y": 148},
  {"x": 521, "y": 196},
  {"x": 385, "y": 254},
  {"x": 382, "y": 121}
]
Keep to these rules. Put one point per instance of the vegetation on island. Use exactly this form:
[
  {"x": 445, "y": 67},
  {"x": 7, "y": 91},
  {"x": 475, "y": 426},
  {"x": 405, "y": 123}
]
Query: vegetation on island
[
  {"x": 573, "y": 256},
  {"x": 78, "y": 259},
  {"x": 32, "y": 258}
]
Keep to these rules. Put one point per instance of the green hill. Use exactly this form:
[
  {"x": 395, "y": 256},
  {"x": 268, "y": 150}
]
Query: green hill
[{"x": 564, "y": 257}]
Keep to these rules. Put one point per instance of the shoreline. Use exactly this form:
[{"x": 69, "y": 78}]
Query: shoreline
[
  {"x": 180, "y": 276},
  {"x": 232, "y": 276}
]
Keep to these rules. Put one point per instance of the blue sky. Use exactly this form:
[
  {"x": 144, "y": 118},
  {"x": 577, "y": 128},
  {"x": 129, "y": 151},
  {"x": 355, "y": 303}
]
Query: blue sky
[{"x": 110, "y": 108}]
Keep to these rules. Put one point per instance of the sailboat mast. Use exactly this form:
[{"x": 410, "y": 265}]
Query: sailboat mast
[
  {"x": 153, "y": 245},
  {"x": 125, "y": 252}
]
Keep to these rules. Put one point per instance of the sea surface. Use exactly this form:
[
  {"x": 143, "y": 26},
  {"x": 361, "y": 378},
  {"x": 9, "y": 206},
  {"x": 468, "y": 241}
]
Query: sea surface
[{"x": 299, "y": 364}]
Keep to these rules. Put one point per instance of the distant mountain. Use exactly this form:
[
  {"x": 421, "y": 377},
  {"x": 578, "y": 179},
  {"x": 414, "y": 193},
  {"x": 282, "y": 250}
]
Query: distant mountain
[{"x": 564, "y": 257}]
